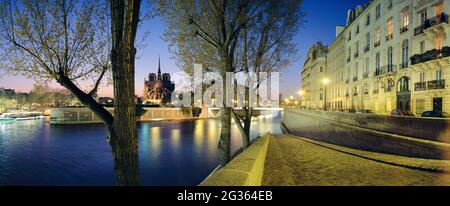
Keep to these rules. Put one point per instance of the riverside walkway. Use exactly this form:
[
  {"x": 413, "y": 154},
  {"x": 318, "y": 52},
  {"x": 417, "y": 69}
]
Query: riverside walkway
[{"x": 296, "y": 161}]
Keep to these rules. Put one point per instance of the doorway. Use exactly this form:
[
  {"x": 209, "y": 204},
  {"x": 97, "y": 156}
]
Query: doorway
[
  {"x": 403, "y": 94},
  {"x": 437, "y": 104}
]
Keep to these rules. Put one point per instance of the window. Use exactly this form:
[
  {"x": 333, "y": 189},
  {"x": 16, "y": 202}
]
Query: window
[
  {"x": 356, "y": 70},
  {"x": 378, "y": 11},
  {"x": 389, "y": 59},
  {"x": 377, "y": 62},
  {"x": 422, "y": 77},
  {"x": 356, "y": 49},
  {"x": 438, "y": 74},
  {"x": 349, "y": 54},
  {"x": 438, "y": 42},
  {"x": 349, "y": 35},
  {"x": 321, "y": 69},
  {"x": 357, "y": 29},
  {"x": 390, "y": 28},
  {"x": 367, "y": 67},
  {"x": 438, "y": 10},
  {"x": 405, "y": 19},
  {"x": 422, "y": 47},
  {"x": 321, "y": 96},
  {"x": 403, "y": 84},
  {"x": 377, "y": 36},
  {"x": 405, "y": 53},
  {"x": 368, "y": 19},
  {"x": 423, "y": 17},
  {"x": 367, "y": 42}
]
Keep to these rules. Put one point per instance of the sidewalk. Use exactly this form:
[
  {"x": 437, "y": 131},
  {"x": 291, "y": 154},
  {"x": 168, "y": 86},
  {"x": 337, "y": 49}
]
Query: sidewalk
[{"x": 297, "y": 161}]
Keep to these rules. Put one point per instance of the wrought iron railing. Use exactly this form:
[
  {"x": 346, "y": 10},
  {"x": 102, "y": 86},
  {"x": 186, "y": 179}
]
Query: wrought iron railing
[
  {"x": 390, "y": 68},
  {"x": 420, "y": 86},
  {"x": 439, "y": 19},
  {"x": 430, "y": 55},
  {"x": 436, "y": 84}
]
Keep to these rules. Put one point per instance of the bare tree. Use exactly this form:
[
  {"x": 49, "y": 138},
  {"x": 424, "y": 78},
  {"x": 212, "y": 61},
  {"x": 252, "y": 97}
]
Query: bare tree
[
  {"x": 232, "y": 36},
  {"x": 266, "y": 45},
  {"x": 214, "y": 25},
  {"x": 69, "y": 41}
]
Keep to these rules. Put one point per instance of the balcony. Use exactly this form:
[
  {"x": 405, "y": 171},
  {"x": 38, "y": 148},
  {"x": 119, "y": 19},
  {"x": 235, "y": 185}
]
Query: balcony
[
  {"x": 443, "y": 18},
  {"x": 366, "y": 49},
  {"x": 430, "y": 55},
  {"x": 365, "y": 76},
  {"x": 388, "y": 69},
  {"x": 404, "y": 29},
  {"x": 436, "y": 84},
  {"x": 420, "y": 86},
  {"x": 355, "y": 79},
  {"x": 377, "y": 43},
  {"x": 376, "y": 91},
  {"x": 389, "y": 37}
]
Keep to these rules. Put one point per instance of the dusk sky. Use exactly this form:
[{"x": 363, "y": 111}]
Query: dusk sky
[{"x": 322, "y": 16}]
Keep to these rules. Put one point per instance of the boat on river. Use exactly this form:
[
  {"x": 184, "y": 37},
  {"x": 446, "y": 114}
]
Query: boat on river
[{"x": 19, "y": 115}]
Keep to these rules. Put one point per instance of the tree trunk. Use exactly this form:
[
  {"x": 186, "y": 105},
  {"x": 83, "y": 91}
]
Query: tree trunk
[
  {"x": 225, "y": 136},
  {"x": 225, "y": 132},
  {"x": 123, "y": 138}
]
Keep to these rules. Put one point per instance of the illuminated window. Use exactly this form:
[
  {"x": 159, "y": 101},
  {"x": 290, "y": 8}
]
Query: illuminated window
[
  {"x": 439, "y": 9},
  {"x": 377, "y": 36},
  {"x": 438, "y": 42},
  {"x": 405, "y": 17},
  {"x": 390, "y": 28}
]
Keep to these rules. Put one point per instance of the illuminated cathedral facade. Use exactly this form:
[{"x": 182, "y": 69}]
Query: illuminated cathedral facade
[{"x": 158, "y": 88}]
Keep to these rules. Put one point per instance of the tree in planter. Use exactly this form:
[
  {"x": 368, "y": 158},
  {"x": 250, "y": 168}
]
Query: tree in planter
[
  {"x": 266, "y": 46},
  {"x": 214, "y": 25},
  {"x": 68, "y": 41}
]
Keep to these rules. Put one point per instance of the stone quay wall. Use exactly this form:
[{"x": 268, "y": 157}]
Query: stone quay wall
[
  {"x": 83, "y": 115},
  {"x": 406, "y": 136},
  {"x": 246, "y": 169}
]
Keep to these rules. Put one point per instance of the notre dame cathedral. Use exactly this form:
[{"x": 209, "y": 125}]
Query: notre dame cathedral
[{"x": 158, "y": 88}]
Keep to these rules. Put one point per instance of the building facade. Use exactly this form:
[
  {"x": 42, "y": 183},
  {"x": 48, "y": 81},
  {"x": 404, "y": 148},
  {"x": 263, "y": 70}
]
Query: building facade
[
  {"x": 397, "y": 56},
  {"x": 313, "y": 71},
  {"x": 158, "y": 88}
]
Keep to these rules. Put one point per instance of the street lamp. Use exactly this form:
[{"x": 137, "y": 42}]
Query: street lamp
[{"x": 325, "y": 82}]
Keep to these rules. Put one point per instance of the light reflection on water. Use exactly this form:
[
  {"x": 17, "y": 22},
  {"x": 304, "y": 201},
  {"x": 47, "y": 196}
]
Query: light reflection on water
[{"x": 170, "y": 152}]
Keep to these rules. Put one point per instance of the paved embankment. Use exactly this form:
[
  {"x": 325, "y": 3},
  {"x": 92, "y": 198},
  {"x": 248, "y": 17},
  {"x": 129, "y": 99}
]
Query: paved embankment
[{"x": 297, "y": 161}]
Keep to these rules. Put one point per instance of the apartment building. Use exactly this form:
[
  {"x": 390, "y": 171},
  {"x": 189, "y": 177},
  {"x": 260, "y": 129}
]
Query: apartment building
[
  {"x": 396, "y": 56},
  {"x": 313, "y": 71}
]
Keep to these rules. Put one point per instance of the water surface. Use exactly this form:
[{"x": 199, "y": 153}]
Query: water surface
[{"x": 34, "y": 152}]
